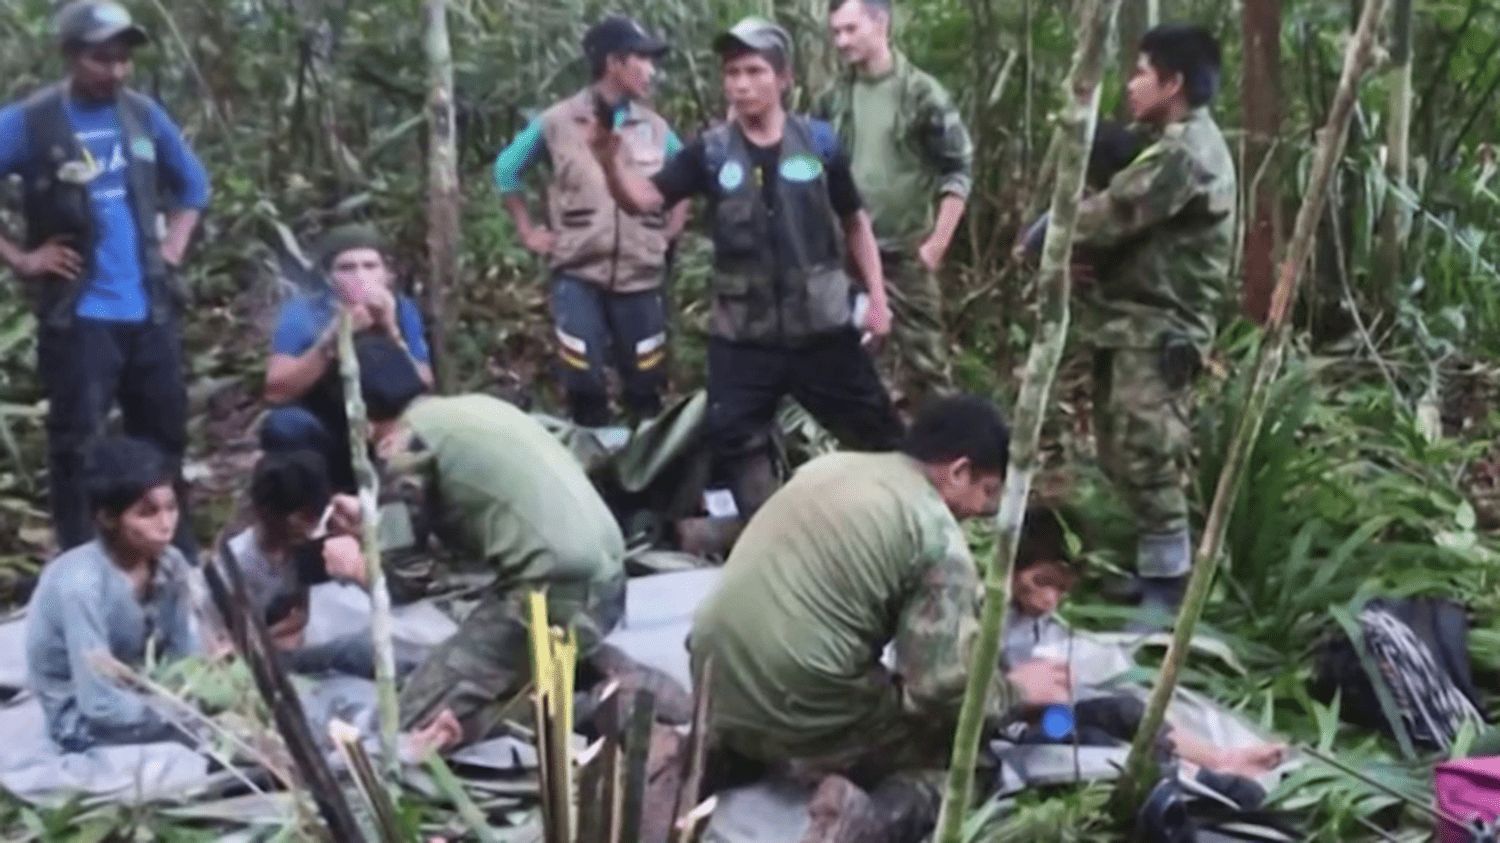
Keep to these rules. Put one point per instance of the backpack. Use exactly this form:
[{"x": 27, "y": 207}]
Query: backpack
[{"x": 1417, "y": 650}]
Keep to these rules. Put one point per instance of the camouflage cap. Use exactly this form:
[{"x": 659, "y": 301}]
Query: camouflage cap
[
  {"x": 91, "y": 22},
  {"x": 757, "y": 34}
]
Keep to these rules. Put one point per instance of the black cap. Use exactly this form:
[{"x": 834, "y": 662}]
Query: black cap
[
  {"x": 619, "y": 34},
  {"x": 91, "y": 22},
  {"x": 756, "y": 34},
  {"x": 343, "y": 238}
]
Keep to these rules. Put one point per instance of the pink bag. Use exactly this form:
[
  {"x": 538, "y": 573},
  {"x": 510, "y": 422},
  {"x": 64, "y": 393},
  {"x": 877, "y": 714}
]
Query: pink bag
[{"x": 1466, "y": 790}]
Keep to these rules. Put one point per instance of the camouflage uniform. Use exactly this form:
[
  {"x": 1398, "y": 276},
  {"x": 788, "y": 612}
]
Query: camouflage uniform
[
  {"x": 492, "y": 483},
  {"x": 1166, "y": 225},
  {"x": 908, "y": 146},
  {"x": 857, "y": 551}
]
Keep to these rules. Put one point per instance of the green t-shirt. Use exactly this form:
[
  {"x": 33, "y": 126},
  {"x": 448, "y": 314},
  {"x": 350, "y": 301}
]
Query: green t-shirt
[
  {"x": 856, "y": 552},
  {"x": 899, "y": 189},
  {"x": 505, "y": 490}
]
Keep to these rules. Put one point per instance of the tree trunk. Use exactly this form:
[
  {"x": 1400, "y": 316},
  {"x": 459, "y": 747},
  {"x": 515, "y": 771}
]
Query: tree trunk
[
  {"x": 380, "y": 598},
  {"x": 1075, "y": 135},
  {"x": 1138, "y": 778},
  {"x": 1261, "y": 98},
  {"x": 1395, "y": 214},
  {"x": 442, "y": 185}
]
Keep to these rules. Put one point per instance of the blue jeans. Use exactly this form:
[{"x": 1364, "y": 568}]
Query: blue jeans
[
  {"x": 86, "y": 367},
  {"x": 597, "y": 329}
]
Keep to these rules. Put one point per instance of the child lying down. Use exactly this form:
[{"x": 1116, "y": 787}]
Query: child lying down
[{"x": 1044, "y": 574}]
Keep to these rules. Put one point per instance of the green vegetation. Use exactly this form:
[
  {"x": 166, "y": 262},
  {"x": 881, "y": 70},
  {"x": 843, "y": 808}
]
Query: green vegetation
[{"x": 1375, "y": 471}]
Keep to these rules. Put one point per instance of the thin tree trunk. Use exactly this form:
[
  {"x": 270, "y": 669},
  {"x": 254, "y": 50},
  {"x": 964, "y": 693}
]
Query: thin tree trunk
[
  {"x": 442, "y": 189},
  {"x": 380, "y": 598},
  {"x": 1261, "y": 96},
  {"x": 1395, "y": 216},
  {"x": 1138, "y": 778},
  {"x": 1075, "y": 136}
]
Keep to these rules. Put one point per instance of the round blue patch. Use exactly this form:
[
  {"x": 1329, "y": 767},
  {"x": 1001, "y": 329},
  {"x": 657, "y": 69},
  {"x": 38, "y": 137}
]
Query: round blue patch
[
  {"x": 731, "y": 175},
  {"x": 1057, "y": 722},
  {"x": 801, "y": 168}
]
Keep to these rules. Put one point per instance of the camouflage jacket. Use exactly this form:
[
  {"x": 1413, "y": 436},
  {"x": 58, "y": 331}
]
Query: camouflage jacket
[
  {"x": 1167, "y": 223},
  {"x": 856, "y": 552},
  {"x": 930, "y": 154}
]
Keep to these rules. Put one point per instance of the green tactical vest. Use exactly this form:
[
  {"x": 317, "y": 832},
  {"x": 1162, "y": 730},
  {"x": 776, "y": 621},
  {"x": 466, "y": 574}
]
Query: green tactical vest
[
  {"x": 55, "y": 207},
  {"x": 778, "y": 271}
]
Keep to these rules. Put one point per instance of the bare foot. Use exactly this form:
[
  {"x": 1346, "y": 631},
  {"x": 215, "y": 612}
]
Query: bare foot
[
  {"x": 441, "y": 734},
  {"x": 1250, "y": 761}
]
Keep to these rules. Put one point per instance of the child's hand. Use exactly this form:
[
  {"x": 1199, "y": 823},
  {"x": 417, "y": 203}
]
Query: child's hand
[
  {"x": 344, "y": 559},
  {"x": 1041, "y": 682}
]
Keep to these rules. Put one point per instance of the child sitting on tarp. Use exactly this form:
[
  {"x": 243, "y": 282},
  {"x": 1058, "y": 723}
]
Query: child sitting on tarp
[
  {"x": 1044, "y": 574},
  {"x": 123, "y": 595},
  {"x": 282, "y": 555}
]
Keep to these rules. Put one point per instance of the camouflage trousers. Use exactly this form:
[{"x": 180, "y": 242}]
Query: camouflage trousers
[
  {"x": 481, "y": 671},
  {"x": 1142, "y": 428},
  {"x": 917, "y": 357}
]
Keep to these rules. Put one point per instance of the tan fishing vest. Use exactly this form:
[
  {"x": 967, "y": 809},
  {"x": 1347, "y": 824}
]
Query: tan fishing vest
[{"x": 596, "y": 240}]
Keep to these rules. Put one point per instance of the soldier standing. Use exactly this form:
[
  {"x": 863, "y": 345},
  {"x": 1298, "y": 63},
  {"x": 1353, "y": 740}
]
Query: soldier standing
[
  {"x": 910, "y": 154},
  {"x": 786, "y": 217},
  {"x": 1168, "y": 223}
]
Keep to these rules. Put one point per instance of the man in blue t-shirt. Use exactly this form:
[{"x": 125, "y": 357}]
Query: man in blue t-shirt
[
  {"x": 101, "y": 166},
  {"x": 302, "y": 378}
]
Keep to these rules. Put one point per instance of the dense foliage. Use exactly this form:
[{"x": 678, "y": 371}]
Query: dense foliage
[{"x": 1376, "y": 475}]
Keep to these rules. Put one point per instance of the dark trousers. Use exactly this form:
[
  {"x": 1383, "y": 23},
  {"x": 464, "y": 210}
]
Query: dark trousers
[
  {"x": 833, "y": 377},
  {"x": 296, "y": 427},
  {"x": 598, "y": 329},
  {"x": 86, "y": 367}
]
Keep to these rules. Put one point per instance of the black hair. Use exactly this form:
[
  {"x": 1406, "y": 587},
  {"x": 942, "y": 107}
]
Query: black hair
[
  {"x": 1115, "y": 146},
  {"x": 776, "y": 57},
  {"x": 1189, "y": 50},
  {"x": 387, "y": 377},
  {"x": 118, "y": 471},
  {"x": 290, "y": 482},
  {"x": 958, "y": 426},
  {"x": 1043, "y": 540}
]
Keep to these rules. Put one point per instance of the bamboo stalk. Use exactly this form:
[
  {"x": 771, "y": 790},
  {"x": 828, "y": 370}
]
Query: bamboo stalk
[
  {"x": 254, "y": 644},
  {"x": 1133, "y": 785},
  {"x": 346, "y": 739},
  {"x": 1073, "y": 138},
  {"x": 442, "y": 186},
  {"x": 637, "y": 758},
  {"x": 695, "y": 759},
  {"x": 380, "y": 597},
  {"x": 1395, "y": 216},
  {"x": 454, "y": 790}
]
